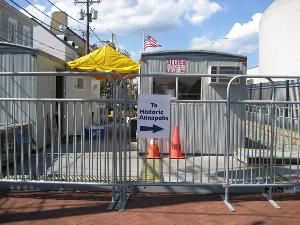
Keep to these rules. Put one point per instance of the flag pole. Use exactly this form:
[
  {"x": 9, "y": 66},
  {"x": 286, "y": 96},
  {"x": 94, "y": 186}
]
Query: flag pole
[{"x": 143, "y": 32}]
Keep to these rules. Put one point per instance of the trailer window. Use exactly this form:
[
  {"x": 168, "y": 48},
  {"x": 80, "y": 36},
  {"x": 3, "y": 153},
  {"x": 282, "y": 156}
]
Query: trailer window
[
  {"x": 164, "y": 86},
  {"x": 234, "y": 70},
  {"x": 189, "y": 88}
]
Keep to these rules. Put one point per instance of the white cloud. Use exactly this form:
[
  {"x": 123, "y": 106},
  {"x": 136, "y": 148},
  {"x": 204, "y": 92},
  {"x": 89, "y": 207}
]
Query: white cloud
[
  {"x": 203, "y": 9},
  {"x": 124, "y": 16},
  {"x": 36, "y": 12},
  {"x": 242, "y": 38}
]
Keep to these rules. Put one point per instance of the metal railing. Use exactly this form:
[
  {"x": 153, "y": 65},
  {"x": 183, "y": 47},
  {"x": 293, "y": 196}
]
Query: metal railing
[{"x": 228, "y": 142}]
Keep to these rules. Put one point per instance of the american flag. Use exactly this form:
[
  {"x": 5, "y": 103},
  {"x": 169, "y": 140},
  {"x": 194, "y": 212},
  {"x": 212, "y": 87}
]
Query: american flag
[{"x": 150, "y": 42}]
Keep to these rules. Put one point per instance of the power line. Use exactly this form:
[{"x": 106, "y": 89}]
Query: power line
[
  {"x": 65, "y": 13},
  {"x": 48, "y": 15},
  {"x": 32, "y": 39},
  {"x": 89, "y": 18},
  {"x": 77, "y": 21},
  {"x": 38, "y": 18},
  {"x": 29, "y": 46}
]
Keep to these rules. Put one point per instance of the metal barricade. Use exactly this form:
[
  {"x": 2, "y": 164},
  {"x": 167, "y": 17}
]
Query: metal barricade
[
  {"x": 202, "y": 129},
  {"x": 268, "y": 157},
  {"x": 56, "y": 144},
  {"x": 229, "y": 143}
]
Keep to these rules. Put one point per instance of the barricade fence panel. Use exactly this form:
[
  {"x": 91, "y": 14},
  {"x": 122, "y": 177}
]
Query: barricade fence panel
[
  {"x": 52, "y": 140},
  {"x": 201, "y": 128},
  {"x": 270, "y": 151},
  {"x": 201, "y": 125},
  {"x": 221, "y": 139}
]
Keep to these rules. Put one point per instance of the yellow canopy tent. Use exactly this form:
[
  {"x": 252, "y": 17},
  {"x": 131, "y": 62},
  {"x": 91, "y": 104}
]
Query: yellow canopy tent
[{"x": 105, "y": 59}]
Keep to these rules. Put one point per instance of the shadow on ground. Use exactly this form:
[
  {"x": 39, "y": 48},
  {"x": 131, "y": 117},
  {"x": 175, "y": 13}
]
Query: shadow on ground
[{"x": 30, "y": 206}]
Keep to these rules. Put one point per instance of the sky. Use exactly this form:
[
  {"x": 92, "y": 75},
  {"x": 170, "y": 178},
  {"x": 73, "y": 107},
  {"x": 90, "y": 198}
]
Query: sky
[{"x": 220, "y": 25}]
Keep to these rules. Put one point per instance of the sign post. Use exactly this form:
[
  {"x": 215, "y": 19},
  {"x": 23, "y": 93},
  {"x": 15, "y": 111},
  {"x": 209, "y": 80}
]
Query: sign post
[{"x": 153, "y": 116}]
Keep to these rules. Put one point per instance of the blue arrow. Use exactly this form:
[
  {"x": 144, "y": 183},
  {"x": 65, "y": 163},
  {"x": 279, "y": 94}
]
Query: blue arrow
[{"x": 154, "y": 128}]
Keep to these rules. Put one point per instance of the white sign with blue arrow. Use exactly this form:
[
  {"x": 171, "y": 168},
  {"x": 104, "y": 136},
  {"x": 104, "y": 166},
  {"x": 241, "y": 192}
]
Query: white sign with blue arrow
[{"x": 153, "y": 116}]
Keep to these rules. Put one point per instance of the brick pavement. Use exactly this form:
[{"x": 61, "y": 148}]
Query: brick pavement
[{"x": 144, "y": 208}]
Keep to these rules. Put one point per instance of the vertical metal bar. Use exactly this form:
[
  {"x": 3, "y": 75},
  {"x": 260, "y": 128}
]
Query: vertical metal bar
[
  {"x": 217, "y": 142},
  {"x": 114, "y": 164},
  {"x": 298, "y": 140},
  {"x": 194, "y": 139},
  {"x": 248, "y": 141},
  {"x": 22, "y": 140},
  {"x": 177, "y": 123},
  {"x": 37, "y": 166},
  {"x": 7, "y": 144},
  {"x": 91, "y": 144},
  {"x": 44, "y": 142},
  {"x": 272, "y": 141},
  {"x": 232, "y": 139},
  {"x": 59, "y": 142},
  {"x": 105, "y": 144},
  {"x": 146, "y": 162},
  {"x": 1, "y": 174},
  {"x": 283, "y": 140},
  {"x": 185, "y": 138},
  {"x": 138, "y": 154},
  {"x": 291, "y": 144},
  {"x": 99, "y": 164},
  {"x": 29, "y": 142},
  {"x": 209, "y": 140},
  {"x": 268, "y": 144},
  {"x": 170, "y": 143},
  {"x": 236, "y": 144},
  {"x": 228, "y": 144},
  {"x": 256, "y": 143},
  {"x": 82, "y": 158},
  {"x": 129, "y": 107},
  {"x": 52, "y": 140},
  {"x": 14, "y": 140},
  {"x": 240, "y": 145},
  {"x": 202, "y": 142},
  {"x": 68, "y": 166},
  {"x": 245, "y": 129},
  {"x": 260, "y": 145},
  {"x": 252, "y": 142},
  {"x": 123, "y": 120},
  {"x": 275, "y": 142},
  {"x": 264, "y": 142},
  {"x": 74, "y": 143}
]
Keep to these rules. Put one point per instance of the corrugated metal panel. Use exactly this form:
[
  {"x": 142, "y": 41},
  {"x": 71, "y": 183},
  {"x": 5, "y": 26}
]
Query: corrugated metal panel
[
  {"x": 13, "y": 87},
  {"x": 201, "y": 126}
]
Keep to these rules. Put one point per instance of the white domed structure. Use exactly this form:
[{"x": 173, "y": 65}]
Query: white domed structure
[{"x": 279, "y": 39}]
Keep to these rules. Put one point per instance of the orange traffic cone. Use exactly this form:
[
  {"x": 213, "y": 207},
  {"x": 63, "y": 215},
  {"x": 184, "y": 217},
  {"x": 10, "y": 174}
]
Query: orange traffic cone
[
  {"x": 153, "y": 150},
  {"x": 176, "y": 152}
]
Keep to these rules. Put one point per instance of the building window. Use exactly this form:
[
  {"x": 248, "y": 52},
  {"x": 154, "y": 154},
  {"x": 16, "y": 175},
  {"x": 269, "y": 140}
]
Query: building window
[
  {"x": 164, "y": 86},
  {"x": 189, "y": 88},
  {"x": 26, "y": 36},
  {"x": 12, "y": 30},
  {"x": 78, "y": 83},
  {"x": 231, "y": 70}
]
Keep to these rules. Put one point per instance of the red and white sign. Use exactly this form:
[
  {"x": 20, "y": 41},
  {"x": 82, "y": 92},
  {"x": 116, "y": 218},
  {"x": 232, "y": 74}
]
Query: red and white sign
[{"x": 176, "y": 66}]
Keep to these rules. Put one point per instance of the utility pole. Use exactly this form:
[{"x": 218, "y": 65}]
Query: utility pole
[
  {"x": 113, "y": 40},
  {"x": 89, "y": 15},
  {"x": 87, "y": 43}
]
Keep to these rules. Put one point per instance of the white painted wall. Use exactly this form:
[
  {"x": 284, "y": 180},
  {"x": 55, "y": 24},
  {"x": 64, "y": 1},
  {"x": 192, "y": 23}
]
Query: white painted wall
[
  {"x": 54, "y": 46},
  {"x": 279, "y": 39}
]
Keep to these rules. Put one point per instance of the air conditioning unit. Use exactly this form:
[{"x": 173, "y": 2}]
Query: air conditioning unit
[{"x": 223, "y": 80}]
